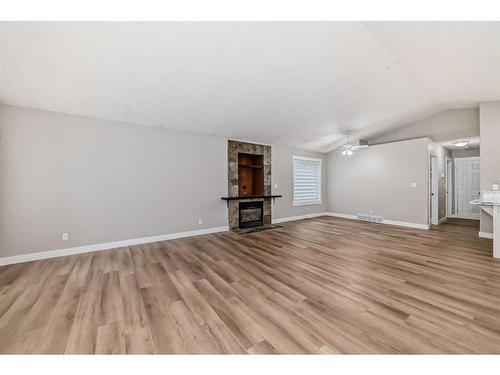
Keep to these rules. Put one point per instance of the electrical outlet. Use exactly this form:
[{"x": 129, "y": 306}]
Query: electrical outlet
[
  {"x": 200, "y": 221},
  {"x": 275, "y": 186},
  {"x": 413, "y": 185},
  {"x": 495, "y": 186},
  {"x": 65, "y": 236}
]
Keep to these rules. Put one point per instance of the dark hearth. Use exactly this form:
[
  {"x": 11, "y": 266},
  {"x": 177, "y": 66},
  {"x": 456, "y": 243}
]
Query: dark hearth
[{"x": 251, "y": 214}]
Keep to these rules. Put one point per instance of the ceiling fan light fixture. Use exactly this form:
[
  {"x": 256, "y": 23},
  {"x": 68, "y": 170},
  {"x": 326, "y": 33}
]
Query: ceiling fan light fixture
[
  {"x": 358, "y": 147},
  {"x": 461, "y": 143}
]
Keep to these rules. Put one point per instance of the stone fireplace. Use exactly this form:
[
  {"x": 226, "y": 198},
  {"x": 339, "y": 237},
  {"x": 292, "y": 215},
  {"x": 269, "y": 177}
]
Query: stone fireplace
[{"x": 249, "y": 185}]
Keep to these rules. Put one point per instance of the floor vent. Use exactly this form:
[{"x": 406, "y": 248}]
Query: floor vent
[{"x": 374, "y": 219}]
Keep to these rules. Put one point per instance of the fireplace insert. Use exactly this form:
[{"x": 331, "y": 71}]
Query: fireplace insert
[{"x": 251, "y": 214}]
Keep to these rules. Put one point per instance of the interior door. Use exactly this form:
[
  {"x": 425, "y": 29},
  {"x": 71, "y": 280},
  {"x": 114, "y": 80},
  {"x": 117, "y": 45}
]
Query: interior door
[{"x": 467, "y": 187}]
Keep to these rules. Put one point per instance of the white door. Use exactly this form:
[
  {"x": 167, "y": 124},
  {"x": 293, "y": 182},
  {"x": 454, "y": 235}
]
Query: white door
[
  {"x": 466, "y": 187},
  {"x": 434, "y": 189}
]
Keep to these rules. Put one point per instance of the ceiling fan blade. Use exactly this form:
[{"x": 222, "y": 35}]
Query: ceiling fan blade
[{"x": 359, "y": 147}]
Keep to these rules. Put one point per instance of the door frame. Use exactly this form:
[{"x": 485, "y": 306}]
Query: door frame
[
  {"x": 433, "y": 181},
  {"x": 450, "y": 186},
  {"x": 458, "y": 215}
]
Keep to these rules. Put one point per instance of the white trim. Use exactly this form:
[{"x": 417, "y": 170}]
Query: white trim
[
  {"x": 105, "y": 246},
  {"x": 138, "y": 241},
  {"x": 343, "y": 216},
  {"x": 406, "y": 224},
  {"x": 442, "y": 220},
  {"x": 389, "y": 222},
  {"x": 469, "y": 216},
  {"x": 293, "y": 218},
  {"x": 307, "y": 158},
  {"x": 310, "y": 203},
  {"x": 434, "y": 187},
  {"x": 486, "y": 235},
  {"x": 449, "y": 184}
]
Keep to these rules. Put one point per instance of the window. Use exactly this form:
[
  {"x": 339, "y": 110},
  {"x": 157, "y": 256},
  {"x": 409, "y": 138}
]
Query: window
[{"x": 306, "y": 181}]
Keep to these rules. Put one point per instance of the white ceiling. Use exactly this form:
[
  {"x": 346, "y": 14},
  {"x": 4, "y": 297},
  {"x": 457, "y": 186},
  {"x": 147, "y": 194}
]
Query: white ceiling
[
  {"x": 299, "y": 84},
  {"x": 474, "y": 143}
]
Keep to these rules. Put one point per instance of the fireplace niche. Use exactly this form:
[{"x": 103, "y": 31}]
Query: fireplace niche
[{"x": 250, "y": 174}]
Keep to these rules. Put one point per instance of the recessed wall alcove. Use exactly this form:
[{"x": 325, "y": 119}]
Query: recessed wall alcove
[{"x": 250, "y": 174}]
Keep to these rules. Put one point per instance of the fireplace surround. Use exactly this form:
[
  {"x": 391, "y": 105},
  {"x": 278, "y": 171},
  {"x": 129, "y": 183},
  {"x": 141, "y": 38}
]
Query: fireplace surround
[{"x": 249, "y": 184}]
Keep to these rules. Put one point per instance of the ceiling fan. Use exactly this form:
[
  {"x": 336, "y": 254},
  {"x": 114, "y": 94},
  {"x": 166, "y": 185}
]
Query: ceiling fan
[{"x": 349, "y": 148}]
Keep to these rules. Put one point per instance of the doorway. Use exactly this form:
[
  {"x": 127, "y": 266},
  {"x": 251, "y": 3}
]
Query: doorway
[
  {"x": 434, "y": 191},
  {"x": 466, "y": 187}
]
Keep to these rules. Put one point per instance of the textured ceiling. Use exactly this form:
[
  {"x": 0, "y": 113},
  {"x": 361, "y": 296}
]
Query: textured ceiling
[{"x": 298, "y": 84}]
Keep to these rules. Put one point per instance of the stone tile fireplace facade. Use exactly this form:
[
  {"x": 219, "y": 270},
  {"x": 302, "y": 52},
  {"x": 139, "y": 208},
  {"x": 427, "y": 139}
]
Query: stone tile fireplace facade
[{"x": 257, "y": 171}]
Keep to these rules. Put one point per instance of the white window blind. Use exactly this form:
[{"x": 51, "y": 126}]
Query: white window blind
[{"x": 306, "y": 181}]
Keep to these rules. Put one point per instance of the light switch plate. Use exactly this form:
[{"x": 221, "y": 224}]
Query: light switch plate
[
  {"x": 275, "y": 186},
  {"x": 413, "y": 184},
  {"x": 495, "y": 186}
]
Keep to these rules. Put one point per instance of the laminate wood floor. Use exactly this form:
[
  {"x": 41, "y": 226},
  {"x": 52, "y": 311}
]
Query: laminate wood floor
[{"x": 322, "y": 285}]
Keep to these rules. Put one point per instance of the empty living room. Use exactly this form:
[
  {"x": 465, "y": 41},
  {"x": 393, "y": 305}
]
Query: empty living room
[{"x": 263, "y": 187}]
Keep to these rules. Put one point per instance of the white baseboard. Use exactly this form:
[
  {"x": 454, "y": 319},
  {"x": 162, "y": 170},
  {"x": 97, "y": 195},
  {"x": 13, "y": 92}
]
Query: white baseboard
[
  {"x": 486, "y": 235},
  {"x": 389, "y": 222},
  {"x": 406, "y": 224},
  {"x": 105, "y": 246},
  {"x": 293, "y": 218},
  {"x": 343, "y": 216},
  {"x": 442, "y": 220},
  {"x": 138, "y": 241}
]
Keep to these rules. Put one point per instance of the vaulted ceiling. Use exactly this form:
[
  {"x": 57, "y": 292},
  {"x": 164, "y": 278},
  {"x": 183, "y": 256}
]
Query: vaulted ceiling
[{"x": 298, "y": 84}]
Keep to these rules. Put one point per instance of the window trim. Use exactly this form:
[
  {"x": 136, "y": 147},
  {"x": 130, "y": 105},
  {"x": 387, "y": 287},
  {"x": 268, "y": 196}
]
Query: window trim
[{"x": 310, "y": 203}]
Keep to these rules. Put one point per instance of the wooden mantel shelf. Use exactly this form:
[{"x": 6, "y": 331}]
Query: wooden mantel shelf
[{"x": 250, "y": 197}]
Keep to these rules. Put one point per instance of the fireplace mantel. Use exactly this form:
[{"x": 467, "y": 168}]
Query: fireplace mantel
[{"x": 250, "y": 197}]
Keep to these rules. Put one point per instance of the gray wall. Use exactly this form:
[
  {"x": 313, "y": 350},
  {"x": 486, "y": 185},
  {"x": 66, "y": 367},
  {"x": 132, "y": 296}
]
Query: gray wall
[
  {"x": 446, "y": 125},
  {"x": 103, "y": 181},
  {"x": 282, "y": 174},
  {"x": 377, "y": 181},
  {"x": 490, "y": 153}
]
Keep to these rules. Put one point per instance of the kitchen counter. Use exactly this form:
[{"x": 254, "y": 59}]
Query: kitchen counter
[
  {"x": 484, "y": 203},
  {"x": 490, "y": 203}
]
